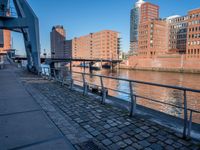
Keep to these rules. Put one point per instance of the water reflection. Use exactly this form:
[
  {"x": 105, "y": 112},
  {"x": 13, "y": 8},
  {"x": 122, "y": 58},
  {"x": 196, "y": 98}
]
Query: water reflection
[{"x": 171, "y": 96}]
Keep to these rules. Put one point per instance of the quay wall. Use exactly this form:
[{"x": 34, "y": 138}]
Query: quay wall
[{"x": 176, "y": 63}]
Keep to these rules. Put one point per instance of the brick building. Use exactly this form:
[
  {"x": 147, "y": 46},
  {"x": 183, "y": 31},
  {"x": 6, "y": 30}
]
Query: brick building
[
  {"x": 193, "y": 44},
  {"x": 148, "y": 12},
  {"x": 99, "y": 45},
  {"x": 152, "y": 38},
  {"x": 152, "y": 32},
  {"x": 177, "y": 26},
  {"x": 182, "y": 51},
  {"x": 5, "y": 41}
]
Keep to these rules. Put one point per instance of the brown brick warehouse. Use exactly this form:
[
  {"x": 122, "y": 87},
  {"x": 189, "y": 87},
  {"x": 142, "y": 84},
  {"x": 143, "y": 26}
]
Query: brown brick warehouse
[{"x": 169, "y": 44}]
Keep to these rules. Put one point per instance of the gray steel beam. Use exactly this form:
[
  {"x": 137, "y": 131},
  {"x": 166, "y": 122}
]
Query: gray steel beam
[{"x": 27, "y": 23}]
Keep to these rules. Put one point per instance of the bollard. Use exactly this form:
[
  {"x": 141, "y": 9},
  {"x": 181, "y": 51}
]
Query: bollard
[
  {"x": 133, "y": 101},
  {"x": 104, "y": 95}
]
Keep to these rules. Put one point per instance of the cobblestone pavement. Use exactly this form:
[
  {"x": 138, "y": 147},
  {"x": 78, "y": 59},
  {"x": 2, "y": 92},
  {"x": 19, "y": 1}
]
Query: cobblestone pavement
[{"x": 92, "y": 126}]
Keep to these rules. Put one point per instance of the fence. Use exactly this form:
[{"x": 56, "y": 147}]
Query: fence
[{"x": 57, "y": 74}]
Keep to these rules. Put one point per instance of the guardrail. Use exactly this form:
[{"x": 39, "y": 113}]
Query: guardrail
[{"x": 56, "y": 74}]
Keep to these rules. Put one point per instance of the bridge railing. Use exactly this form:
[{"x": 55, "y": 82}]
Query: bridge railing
[{"x": 57, "y": 74}]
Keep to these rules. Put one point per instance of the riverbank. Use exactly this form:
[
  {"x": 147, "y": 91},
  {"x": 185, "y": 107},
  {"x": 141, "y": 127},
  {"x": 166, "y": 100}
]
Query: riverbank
[
  {"x": 168, "y": 63},
  {"x": 175, "y": 70}
]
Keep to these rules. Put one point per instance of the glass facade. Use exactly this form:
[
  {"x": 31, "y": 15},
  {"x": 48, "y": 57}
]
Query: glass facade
[{"x": 134, "y": 24}]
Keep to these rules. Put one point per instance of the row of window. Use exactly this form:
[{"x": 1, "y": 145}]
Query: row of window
[
  {"x": 194, "y": 29},
  {"x": 194, "y": 36},
  {"x": 194, "y": 43},
  {"x": 194, "y": 15},
  {"x": 193, "y": 51},
  {"x": 181, "y": 25},
  {"x": 194, "y": 22}
]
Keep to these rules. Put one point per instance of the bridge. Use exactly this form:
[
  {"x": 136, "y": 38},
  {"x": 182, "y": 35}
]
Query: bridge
[
  {"x": 69, "y": 59},
  {"x": 52, "y": 61}
]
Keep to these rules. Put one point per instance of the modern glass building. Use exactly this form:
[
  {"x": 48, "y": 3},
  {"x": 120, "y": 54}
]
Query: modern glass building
[{"x": 134, "y": 26}]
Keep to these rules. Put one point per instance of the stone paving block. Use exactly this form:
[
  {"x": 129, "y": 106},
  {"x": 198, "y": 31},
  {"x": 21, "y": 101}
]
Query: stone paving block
[
  {"x": 137, "y": 146},
  {"x": 144, "y": 143},
  {"x": 116, "y": 138},
  {"x": 121, "y": 144},
  {"x": 128, "y": 141},
  {"x": 107, "y": 142},
  {"x": 156, "y": 146}
]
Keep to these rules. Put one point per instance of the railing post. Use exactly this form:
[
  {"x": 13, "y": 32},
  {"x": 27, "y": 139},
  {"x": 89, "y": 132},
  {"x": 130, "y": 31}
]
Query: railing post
[
  {"x": 185, "y": 115},
  {"x": 71, "y": 77},
  {"x": 133, "y": 100},
  {"x": 190, "y": 124},
  {"x": 49, "y": 69},
  {"x": 54, "y": 74},
  {"x": 85, "y": 86},
  {"x": 45, "y": 73},
  {"x": 71, "y": 84},
  {"x": 103, "y": 91}
]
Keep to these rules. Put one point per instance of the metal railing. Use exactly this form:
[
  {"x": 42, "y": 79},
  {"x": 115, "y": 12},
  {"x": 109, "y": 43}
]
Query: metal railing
[{"x": 56, "y": 74}]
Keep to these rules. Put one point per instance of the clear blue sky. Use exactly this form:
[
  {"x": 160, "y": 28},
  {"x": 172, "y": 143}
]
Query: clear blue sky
[{"x": 80, "y": 17}]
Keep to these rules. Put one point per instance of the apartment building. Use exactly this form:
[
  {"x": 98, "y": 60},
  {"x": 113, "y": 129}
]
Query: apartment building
[
  {"x": 153, "y": 38},
  {"x": 100, "y": 45},
  {"x": 177, "y": 28},
  {"x": 193, "y": 38}
]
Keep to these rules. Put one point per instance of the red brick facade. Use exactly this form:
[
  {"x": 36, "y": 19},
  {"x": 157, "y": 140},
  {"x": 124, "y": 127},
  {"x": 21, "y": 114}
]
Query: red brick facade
[
  {"x": 7, "y": 43},
  {"x": 170, "y": 45}
]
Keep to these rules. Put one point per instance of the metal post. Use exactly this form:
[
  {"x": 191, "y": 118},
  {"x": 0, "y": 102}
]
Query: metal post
[
  {"x": 84, "y": 66},
  {"x": 54, "y": 72},
  {"x": 71, "y": 84},
  {"x": 133, "y": 100},
  {"x": 84, "y": 85},
  {"x": 49, "y": 70},
  {"x": 185, "y": 115},
  {"x": 101, "y": 64},
  {"x": 190, "y": 124},
  {"x": 71, "y": 66},
  {"x": 103, "y": 90}
]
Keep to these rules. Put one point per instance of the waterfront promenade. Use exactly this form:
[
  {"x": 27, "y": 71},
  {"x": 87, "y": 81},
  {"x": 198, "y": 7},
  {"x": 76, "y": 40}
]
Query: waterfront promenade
[
  {"x": 37, "y": 113},
  {"x": 23, "y": 123}
]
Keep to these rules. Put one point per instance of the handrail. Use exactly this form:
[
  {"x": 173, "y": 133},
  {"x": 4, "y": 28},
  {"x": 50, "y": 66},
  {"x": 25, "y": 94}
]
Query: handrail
[
  {"x": 143, "y": 82},
  {"x": 133, "y": 96}
]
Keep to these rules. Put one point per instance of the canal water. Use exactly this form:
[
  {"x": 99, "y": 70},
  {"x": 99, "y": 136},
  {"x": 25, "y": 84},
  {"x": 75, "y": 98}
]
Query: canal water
[{"x": 171, "y": 96}]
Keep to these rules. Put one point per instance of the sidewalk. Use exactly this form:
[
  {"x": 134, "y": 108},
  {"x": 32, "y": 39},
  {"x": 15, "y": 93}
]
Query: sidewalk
[{"x": 23, "y": 124}]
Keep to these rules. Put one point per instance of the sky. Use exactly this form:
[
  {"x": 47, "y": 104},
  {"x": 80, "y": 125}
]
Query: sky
[{"x": 81, "y": 17}]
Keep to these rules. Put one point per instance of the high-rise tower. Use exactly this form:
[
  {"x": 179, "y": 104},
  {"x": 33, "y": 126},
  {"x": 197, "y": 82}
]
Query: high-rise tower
[
  {"x": 134, "y": 27},
  {"x": 58, "y": 36}
]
